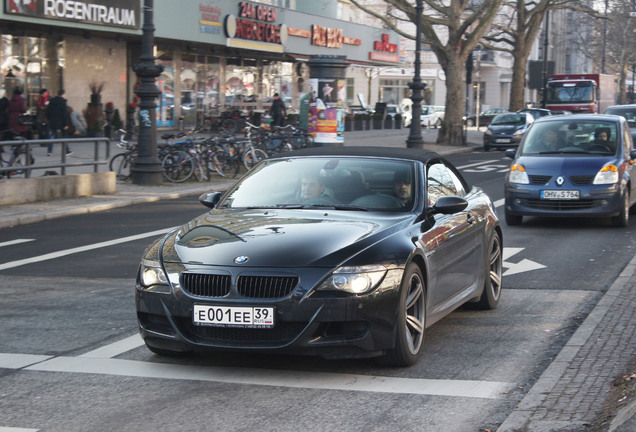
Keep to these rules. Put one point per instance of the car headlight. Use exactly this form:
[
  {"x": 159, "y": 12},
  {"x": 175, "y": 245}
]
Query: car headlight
[
  {"x": 488, "y": 132},
  {"x": 355, "y": 280},
  {"x": 519, "y": 133},
  {"x": 152, "y": 277},
  {"x": 607, "y": 175},
  {"x": 518, "y": 174}
]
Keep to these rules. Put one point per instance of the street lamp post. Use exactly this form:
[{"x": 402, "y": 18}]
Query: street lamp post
[
  {"x": 415, "y": 134},
  {"x": 147, "y": 168}
]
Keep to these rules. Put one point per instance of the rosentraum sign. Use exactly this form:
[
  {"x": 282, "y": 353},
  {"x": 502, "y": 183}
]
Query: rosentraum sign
[{"x": 116, "y": 13}]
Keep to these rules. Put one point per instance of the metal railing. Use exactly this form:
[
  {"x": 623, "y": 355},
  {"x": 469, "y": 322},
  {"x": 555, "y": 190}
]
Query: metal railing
[{"x": 63, "y": 163}]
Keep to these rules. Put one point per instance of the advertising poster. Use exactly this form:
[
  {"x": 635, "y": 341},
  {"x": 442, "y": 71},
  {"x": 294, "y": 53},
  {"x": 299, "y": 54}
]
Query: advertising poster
[{"x": 326, "y": 126}]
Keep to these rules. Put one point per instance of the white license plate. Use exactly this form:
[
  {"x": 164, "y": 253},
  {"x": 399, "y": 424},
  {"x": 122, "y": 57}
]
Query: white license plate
[
  {"x": 502, "y": 140},
  {"x": 560, "y": 194},
  {"x": 233, "y": 316}
]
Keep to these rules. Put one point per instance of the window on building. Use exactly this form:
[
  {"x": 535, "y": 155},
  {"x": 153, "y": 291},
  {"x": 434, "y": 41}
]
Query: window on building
[{"x": 350, "y": 91}]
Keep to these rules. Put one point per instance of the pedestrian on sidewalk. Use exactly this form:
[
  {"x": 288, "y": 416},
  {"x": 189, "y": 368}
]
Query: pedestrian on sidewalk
[
  {"x": 40, "y": 114},
  {"x": 57, "y": 114},
  {"x": 278, "y": 111},
  {"x": 17, "y": 107},
  {"x": 4, "y": 117}
]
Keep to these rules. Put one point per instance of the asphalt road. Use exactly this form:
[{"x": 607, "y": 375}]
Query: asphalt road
[{"x": 71, "y": 360}]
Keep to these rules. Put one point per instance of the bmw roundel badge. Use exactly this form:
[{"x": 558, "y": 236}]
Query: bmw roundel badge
[{"x": 241, "y": 259}]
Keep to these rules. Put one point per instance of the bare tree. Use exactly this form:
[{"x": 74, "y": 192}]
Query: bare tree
[
  {"x": 452, "y": 28},
  {"x": 515, "y": 32}
]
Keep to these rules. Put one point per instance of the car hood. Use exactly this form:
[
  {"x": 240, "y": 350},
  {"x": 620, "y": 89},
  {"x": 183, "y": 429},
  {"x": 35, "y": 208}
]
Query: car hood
[
  {"x": 277, "y": 238},
  {"x": 571, "y": 165}
]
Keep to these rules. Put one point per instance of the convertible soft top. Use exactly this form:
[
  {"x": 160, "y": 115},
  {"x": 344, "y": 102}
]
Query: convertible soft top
[{"x": 384, "y": 152}]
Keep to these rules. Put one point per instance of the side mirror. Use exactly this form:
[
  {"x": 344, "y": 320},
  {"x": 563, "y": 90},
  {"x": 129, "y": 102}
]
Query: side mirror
[
  {"x": 632, "y": 154},
  {"x": 210, "y": 199},
  {"x": 511, "y": 153},
  {"x": 449, "y": 205}
]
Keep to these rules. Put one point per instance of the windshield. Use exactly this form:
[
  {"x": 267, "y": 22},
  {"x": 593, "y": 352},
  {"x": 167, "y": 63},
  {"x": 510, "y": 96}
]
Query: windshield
[
  {"x": 570, "y": 92},
  {"x": 510, "y": 119},
  {"x": 341, "y": 183},
  {"x": 571, "y": 138}
]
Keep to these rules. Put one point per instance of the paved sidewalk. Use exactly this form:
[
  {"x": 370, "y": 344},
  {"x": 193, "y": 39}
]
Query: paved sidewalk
[{"x": 571, "y": 393}]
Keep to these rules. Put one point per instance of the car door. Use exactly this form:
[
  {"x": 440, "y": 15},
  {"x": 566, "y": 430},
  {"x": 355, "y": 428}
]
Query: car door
[{"x": 454, "y": 249}]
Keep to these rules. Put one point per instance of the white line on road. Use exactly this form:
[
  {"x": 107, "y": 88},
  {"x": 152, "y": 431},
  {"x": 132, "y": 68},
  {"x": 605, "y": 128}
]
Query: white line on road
[
  {"x": 79, "y": 249},
  {"x": 13, "y": 429},
  {"x": 114, "y": 349},
  {"x": 277, "y": 378},
  {"x": 14, "y": 242}
]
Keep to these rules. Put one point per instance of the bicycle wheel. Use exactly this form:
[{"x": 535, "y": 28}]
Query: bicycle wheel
[
  {"x": 253, "y": 157},
  {"x": 227, "y": 126},
  {"x": 178, "y": 166},
  {"x": 223, "y": 164},
  {"x": 121, "y": 164},
  {"x": 19, "y": 162}
]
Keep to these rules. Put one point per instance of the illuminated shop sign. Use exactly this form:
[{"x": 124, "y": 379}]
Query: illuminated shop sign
[
  {"x": 116, "y": 13},
  {"x": 255, "y": 28},
  {"x": 387, "y": 51},
  {"x": 326, "y": 36}
]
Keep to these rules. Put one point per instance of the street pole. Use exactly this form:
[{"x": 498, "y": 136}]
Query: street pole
[
  {"x": 146, "y": 170},
  {"x": 415, "y": 134},
  {"x": 604, "y": 39},
  {"x": 545, "y": 59}
]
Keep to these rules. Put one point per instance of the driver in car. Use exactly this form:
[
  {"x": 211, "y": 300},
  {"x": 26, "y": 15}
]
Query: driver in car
[{"x": 402, "y": 186}]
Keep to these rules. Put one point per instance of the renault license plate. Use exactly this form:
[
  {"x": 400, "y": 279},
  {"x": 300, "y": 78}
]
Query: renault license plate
[
  {"x": 234, "y": 316},
  {"x": 560, "y": 194}
]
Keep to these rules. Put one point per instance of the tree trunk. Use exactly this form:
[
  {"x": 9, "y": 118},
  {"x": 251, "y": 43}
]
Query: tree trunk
[
  {"x": 452, "y": 130},
  {"x": 517, "y": 86}
]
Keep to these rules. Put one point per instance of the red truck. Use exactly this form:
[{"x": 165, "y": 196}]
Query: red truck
[{"x": 580, "y": 93}]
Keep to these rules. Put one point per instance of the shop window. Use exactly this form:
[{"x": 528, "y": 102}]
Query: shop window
[{"x": 26, "y": 64}]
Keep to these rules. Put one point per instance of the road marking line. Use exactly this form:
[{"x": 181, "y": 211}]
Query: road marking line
[
  {"x": 14, "y": 429},
  {"x": 475, "y": 164},
  {"x": 20, "y": 361},
  {"x": 276, "y": 378},
  {"x": 66, "y": 252},
  {"x": 114, "y": 349},
  {"x": 16, "y": 241},
  {"x": 499, "y": 202}
]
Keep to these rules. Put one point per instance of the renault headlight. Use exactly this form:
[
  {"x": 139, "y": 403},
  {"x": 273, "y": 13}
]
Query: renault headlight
[
  {"x": 152, "y": 277},
  {"x": 518, "y": 174},
  {"x": 355, "y": 280},
  {"x": 607, "y": 175}
]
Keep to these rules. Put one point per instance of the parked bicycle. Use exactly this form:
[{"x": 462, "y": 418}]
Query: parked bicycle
[
  {"x": 17, "y": 158},
  {"x": 122, "y": 162}
]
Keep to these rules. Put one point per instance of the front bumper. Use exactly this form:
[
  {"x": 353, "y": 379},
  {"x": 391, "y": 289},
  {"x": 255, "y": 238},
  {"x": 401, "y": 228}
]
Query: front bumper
[
  {"x": 324, "y": 323},
  {"x": 594, "y": 201}
]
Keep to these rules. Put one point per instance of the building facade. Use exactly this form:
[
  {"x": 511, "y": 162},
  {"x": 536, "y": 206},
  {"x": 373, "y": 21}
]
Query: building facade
[{"x": 216, "y": 54}]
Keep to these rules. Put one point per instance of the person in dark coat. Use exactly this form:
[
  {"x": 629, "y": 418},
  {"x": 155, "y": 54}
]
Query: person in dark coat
[
  {"x": 277, "y": 111},
  {"x": 57, "y": 115},
  {"x": 17, "y": 107},
  {"x": 4, "y": 118}
]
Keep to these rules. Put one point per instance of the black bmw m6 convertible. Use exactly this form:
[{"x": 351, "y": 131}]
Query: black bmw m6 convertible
[{"x": 334, "y": 252}]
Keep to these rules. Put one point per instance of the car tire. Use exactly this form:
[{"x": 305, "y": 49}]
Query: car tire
[
  {"x": 493, "y": 275},
  {"x": 486, "y": 148},
  {"x": 622, "y": 219},
  {"x": 411, "y": 320},
  {"x": 513, "y": 220}
]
